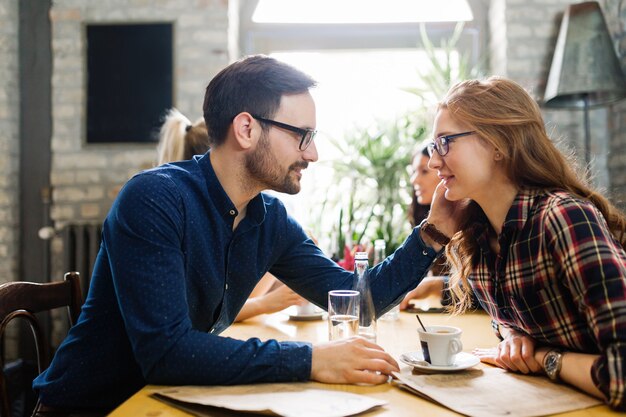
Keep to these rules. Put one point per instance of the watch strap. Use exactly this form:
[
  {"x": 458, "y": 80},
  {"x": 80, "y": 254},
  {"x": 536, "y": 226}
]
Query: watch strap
[
  {"x": 496, "y": 329},
  {"x": 434, "y": 233}
]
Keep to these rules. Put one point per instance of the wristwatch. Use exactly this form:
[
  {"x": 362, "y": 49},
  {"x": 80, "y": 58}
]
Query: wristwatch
[{"x": 552, "y": 364}]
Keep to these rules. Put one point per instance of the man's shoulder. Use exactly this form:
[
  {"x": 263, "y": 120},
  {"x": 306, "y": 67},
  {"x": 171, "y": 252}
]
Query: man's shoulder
[{"x": 174, "y": 173}]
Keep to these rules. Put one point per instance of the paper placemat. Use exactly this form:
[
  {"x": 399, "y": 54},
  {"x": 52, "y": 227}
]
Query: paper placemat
[
  {"x": 491, "y": 392},
  {"x": 288, "y": 400}
]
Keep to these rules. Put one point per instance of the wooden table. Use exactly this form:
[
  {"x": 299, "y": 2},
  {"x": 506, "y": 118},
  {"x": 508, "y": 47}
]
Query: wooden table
[{"x": 395, "y": 336}]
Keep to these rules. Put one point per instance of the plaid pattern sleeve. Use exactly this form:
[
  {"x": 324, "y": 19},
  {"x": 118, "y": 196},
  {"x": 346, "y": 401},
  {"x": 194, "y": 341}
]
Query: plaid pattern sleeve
[
  {"x": 593, "y": 265},
  {"x": 560, "y": 277}
]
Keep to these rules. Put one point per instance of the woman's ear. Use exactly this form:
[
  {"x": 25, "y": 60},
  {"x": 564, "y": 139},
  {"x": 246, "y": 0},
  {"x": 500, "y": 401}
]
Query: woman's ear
[{"x": 243, "y": 130}]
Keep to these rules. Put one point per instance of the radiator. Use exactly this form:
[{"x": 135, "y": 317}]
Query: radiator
[{"x": 81, "y": 243}]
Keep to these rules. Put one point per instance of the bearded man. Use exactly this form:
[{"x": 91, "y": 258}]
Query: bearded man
[{"x": 185, "y": 243}]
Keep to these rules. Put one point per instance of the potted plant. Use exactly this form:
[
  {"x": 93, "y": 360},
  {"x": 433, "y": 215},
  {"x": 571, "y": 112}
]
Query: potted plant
[{"x": 372, "y": 175}]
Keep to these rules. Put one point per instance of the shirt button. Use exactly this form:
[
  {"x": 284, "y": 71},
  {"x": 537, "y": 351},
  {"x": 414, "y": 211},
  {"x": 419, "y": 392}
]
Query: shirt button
[
  {"x": 232, "y": 212},
  {"x": 424, "y": 252},
  {"x": 226, "y": 286}
]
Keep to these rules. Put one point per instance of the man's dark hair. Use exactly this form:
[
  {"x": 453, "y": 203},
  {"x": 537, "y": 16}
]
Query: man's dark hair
[{"x": 254, "y": 84}]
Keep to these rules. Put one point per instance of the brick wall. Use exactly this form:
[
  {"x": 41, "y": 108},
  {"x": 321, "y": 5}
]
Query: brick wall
[
  {"x": 87, "y": 178},
  {"x": 523, "y": 36},
  {"x": 9, "y": 149},
  {"x": 9, "y": 141},
  {"x": 615, "y": 13}
]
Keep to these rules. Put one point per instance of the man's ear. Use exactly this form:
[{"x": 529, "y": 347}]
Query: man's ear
[{"x": 243, "y": 129}]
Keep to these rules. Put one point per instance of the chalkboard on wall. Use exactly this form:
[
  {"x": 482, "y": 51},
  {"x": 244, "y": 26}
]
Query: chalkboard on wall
[{"x": 129, "y": 81}]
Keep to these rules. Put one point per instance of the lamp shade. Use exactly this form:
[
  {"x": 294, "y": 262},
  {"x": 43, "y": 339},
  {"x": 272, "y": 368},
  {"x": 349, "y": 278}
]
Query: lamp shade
[{"x": 585, "y": 70}]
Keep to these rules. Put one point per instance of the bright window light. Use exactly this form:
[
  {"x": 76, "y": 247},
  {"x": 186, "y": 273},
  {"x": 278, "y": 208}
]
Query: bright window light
[
  {"x": 357, "y": 89},
  {"x": 361, "y": 11}
]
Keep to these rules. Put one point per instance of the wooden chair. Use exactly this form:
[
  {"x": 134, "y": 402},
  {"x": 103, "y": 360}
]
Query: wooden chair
[{"x": 22, "y": 300}]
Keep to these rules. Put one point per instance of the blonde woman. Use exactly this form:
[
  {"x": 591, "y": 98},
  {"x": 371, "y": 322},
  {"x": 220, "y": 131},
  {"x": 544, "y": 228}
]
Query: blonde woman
[
  {"x": 179, "y": 139},
  {"x": 542, "y": 251}
]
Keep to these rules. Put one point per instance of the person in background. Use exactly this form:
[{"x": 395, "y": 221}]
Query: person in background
[
  {"x": 424, "y": 181},
  {"x": 542, "y": 251},
  {"x": 179, "y": 139},
  {"x": 185, "y": 243}
]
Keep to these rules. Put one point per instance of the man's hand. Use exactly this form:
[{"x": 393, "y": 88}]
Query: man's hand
[
  {"x": 515, "y": 353},
  {"x": 351, "y": 361}
]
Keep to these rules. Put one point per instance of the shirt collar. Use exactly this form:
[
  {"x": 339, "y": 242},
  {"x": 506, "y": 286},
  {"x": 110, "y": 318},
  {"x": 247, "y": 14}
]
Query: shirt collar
[
  {"x": 520, "y": 209},
  {"x": 217, "y": 194},
  {"x": 515, "y": 218}
]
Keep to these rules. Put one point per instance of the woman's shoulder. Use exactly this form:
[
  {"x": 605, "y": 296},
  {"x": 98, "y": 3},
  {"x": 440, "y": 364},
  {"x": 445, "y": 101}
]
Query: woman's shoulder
[
  {"x": 557, "y": 198},
  {"x": 560, "y": 207}
]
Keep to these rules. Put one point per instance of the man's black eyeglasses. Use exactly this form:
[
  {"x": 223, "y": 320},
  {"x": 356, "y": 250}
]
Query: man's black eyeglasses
[
  {"x": 442, "y": 143},
  {"x": 307, "y": 135}
]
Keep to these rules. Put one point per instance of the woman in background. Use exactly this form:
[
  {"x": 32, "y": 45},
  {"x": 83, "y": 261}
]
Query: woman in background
[
  {"x": 424, "y": 181},
  {"x": 179, "y": 139},
  {"x": 542, "y": 251}
]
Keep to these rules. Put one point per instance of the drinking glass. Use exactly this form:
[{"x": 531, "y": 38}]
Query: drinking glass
[{"x": 343, "y": 314}]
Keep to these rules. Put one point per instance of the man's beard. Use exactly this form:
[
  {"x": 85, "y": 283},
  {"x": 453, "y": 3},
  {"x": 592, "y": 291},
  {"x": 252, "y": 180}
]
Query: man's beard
[{"x": 265, "y": 169}]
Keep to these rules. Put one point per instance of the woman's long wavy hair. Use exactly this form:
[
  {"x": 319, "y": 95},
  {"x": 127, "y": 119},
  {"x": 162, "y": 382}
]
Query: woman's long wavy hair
[{"x": 505, "y": 115}]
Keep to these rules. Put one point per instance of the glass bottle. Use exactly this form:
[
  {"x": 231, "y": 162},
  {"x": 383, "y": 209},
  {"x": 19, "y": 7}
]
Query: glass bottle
[
  {"x": 379, "y": 255},
  {"x": 379, "y": 251},
  {"x": 367, "y": 313}
]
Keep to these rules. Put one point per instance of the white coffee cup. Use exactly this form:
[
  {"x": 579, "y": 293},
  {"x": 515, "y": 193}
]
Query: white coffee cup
[
  {"x": 440, "y": 344},
  {"x": 307, "y": 309}
]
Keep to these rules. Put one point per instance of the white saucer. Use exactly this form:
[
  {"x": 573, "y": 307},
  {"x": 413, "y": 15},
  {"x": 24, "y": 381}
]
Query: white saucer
[
  {"x": 306, "y": 317},
  {"x": 462, "y": 361}
]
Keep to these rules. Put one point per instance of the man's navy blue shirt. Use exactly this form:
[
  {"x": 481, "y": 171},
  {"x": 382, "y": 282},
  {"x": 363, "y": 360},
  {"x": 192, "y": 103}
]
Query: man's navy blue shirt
[{"x": 172, "y": 274}]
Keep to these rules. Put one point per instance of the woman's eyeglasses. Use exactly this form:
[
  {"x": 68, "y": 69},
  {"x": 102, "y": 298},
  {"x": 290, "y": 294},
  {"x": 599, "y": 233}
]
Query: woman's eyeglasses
[
  {"x": 307, "y": 135},
  {"x": 442, "y": 143}
]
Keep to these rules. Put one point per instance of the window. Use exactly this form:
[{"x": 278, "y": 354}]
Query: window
[
  {"x": 361, "y": 11},
  {"x": 129, "y": 81},
  {"x": 364, "y": 59}
]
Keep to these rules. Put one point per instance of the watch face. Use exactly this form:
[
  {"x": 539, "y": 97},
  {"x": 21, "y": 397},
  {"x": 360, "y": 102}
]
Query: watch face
[{"x": 551, "y": 364}]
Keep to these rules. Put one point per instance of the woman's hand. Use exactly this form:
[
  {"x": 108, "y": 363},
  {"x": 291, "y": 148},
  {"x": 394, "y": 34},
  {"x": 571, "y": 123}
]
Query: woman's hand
[
  {"x": 430, "y": 286},
  {"x": 279, "y": 299},
  {"x": 515, "y": 353},
  {"x": 446, "y": 215},
  {"x": 271, "y": 302}
]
